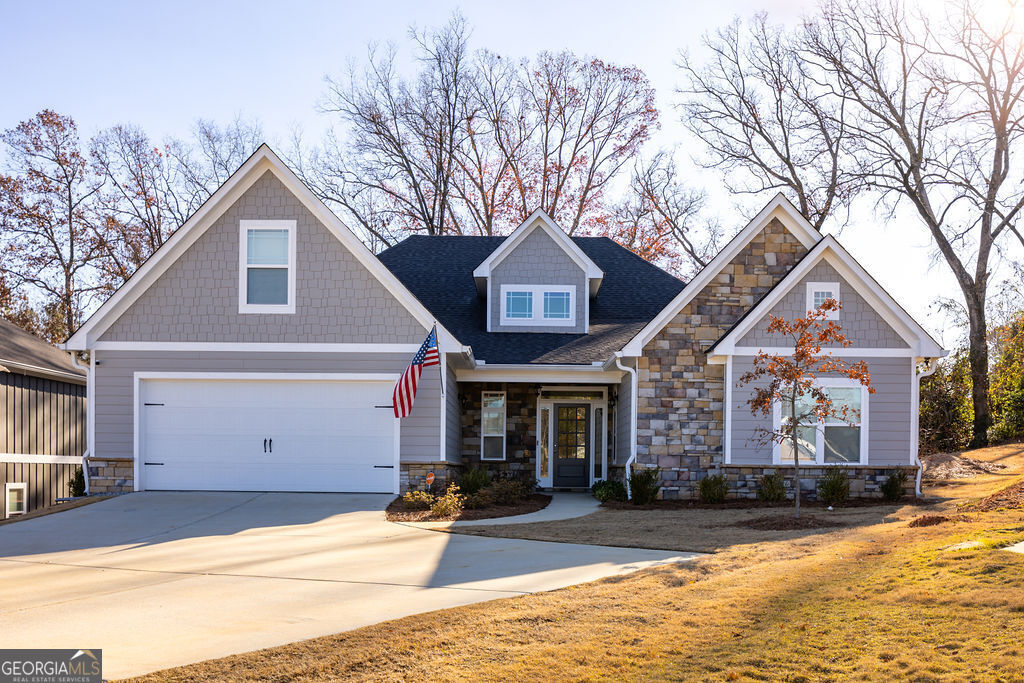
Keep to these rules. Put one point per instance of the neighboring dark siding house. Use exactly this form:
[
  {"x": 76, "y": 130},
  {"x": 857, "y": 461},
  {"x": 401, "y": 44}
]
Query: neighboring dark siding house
[{"x": 42, "y": 430}]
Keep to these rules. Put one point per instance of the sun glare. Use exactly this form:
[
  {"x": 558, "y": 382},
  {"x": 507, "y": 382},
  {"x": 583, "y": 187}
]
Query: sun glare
[{"x": 995, "y": 13}]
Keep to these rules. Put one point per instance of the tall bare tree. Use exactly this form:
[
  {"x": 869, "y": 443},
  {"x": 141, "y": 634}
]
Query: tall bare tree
[
  {"x": 45, "y": 225},
  {"x": 933, "y": 104},
  {"x": 766, "y": 119}
]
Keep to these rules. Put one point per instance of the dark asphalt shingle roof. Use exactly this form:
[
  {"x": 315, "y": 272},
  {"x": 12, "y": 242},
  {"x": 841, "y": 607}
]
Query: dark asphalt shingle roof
[
  {"x": 18, "y": 347},
  {"x": 439, "y": 272}
]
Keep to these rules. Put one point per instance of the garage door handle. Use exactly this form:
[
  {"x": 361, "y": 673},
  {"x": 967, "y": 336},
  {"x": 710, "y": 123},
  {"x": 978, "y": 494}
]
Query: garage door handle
[
  {"x": 271, "y": 445},
  {"x": 383, "y": 467},
  {"x": 264, "y": 445}
]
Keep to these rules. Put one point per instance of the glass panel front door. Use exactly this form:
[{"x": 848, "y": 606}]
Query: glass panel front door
[{"x": 572, "y": 445}]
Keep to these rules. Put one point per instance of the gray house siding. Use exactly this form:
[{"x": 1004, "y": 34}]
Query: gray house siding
[
  {"x": 453, "y": 418},
  {"x": 888, "y": 413},
  {"x": 337, "y": 299},
  {"x": 860, "y": 323},
  {"x": 420, "y": 432},
  {"x": 41, "y": 416},
  {"x": 538, "y": 260}
]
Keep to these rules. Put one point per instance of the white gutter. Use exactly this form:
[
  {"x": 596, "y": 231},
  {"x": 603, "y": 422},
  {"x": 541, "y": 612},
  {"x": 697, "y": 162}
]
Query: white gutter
[
  {"x": 90, "y": 384},
  {"x": 930, "y": 367},
  {"x": 632, "y": 415}
]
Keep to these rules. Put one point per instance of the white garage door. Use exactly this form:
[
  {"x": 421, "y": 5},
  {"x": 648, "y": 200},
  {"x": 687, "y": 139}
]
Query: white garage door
[{"x": 267, "y": 435}]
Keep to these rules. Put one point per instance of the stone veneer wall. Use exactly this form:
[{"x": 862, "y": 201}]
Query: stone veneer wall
[
  {"x": 520, "y": 426},
  {"x": 111, "y": 475},
  {"x": 681, "y": 397},
  {"x": 865, "y": 482},
  {"x": 413, "y": 475}
]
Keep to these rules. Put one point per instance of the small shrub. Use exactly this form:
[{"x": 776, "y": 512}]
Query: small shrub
[
  {"x": 474, "y": 479},
  {"x": 448, "y": 505},
  {"x": 418, "y": 500},
  {"x": 892, "y": 489},
  {"x": 834, "y": 487},
  {"x": 644, "y": 484},
  {"x": 510, "y": 490},
  {"x": 480, "y": 499},
  {"x": 76, "y": 486},
  {"x": 713, "y": 488},
  {"x": 773, "y": 488},
  {"x": 609, "y": 490}
]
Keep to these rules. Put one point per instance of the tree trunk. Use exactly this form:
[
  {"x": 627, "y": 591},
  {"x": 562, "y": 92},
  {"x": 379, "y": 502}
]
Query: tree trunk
[
  {"x": 978, "y": 356},
  {"x": 796, "y": 469}
]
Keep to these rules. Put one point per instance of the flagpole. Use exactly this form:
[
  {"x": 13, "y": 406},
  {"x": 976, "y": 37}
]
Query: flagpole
[{"x": 441, "y": 363}]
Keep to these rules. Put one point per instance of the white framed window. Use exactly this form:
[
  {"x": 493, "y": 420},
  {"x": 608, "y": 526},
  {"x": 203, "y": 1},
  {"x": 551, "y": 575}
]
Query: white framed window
[
  {"x": 553, "y": 305},
  {"x": 833, "y": 441},
  {"x": 15, "y": 499},
  {"x": 492, "y": 425},
  {"x": 266, "y": 267},
  {"x": 818, "y": 292}
]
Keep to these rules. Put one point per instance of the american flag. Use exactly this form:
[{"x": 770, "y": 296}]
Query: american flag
[{"x": 405, "y": 390}]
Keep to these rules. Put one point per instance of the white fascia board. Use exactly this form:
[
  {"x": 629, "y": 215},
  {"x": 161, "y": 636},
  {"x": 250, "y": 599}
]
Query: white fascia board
[
  {"x": 547, "y": 374},
  {"x": 779, "y": 207},
  {"x": 262, "y": 160},
  {"x": 919, "y": 342},
  {"x": 27, "y": 369},
  {"x": 539, "y": 219},
  {"x": 254, "y": 347}
]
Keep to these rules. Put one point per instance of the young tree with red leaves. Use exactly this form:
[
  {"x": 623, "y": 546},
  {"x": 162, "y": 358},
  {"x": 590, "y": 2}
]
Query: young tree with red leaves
[{"x": 793, "y": 381}]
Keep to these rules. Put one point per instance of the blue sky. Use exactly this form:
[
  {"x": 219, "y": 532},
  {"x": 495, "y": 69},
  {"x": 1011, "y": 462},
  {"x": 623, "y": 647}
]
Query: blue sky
[{"x": 161, "y": 65}]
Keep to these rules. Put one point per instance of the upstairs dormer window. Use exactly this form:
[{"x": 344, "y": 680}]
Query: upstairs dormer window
[
  {"x": 538, "y": 305},
  {"x": 266, "y": 277},
  {"x": 819, "y": 292}
]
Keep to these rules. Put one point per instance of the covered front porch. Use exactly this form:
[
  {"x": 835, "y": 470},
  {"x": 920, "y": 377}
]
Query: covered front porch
[{"x": 562, "y": 435}]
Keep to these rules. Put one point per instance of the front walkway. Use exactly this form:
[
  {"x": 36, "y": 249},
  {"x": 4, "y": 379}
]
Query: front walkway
[
  {"x": 562, "y": 506},
  {"x": 164, "y": 579}
]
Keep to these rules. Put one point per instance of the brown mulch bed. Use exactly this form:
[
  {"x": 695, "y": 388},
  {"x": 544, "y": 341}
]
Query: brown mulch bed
[
  {"x": 787, "y": 523},
  {"x": 1010, "y": 498},
  {"x": 396, "y": 512},
  {"x": 945, "y": 466},
  {"x": 930, "y": 520},
  {"x": 753, "y": 503}
]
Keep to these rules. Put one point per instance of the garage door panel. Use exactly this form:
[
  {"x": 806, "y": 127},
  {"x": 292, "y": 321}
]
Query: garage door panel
[{"x": 280, "y": 435}]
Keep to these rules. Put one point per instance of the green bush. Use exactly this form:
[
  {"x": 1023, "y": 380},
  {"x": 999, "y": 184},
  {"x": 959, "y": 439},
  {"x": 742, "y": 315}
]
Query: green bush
[
  {"x": 609, "y": 490},
  {"x": 510, "y": 490},
  {"x": 474, "y": 479},
  {"x": 892, "y": 489},
  {"x": 644, "y": 484},
  {"x": 713, "y": 488},
  {"x": 834, "y": 487},
  {"x": 76, "y": 486},
  {"x": 449, "y": 504},
  {"x": 418, "y": 500},
  {"x": 480, "y": 499},
  {"x": 773, "y": 488},
  {"x": 946, "y": 411}
]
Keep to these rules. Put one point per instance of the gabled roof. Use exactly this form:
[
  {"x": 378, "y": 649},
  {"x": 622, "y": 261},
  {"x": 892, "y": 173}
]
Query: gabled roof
[
  {"x": 539, "y": 220},
  {"x": 263, "y": 159},
  {"x": 779, "y": 207},
  {"x": 26, "y": 353},
  {"x": 829, "y": 249},
  {"x": 440, "y": 270}
]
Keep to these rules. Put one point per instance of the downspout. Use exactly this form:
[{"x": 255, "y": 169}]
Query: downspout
[
  {"x": 89, "y": 384},
  {"x": 632, "y": 415},
  {"x": 930, "y": 367}
]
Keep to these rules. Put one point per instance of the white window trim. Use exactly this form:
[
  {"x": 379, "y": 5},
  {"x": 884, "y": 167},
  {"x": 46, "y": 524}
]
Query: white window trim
[
  {"x": 8, "y": 487},
  {"x": 243, "y": 266},
  {"x": 538, "y": 319},
  {"x": 819, "y": 286},
  {"x": 819, "y": 452},
  {"x": 504, "y": 423}
]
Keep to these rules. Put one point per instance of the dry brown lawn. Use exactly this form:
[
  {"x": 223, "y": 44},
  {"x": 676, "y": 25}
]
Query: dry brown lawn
[{"x": 875, "y": 599}]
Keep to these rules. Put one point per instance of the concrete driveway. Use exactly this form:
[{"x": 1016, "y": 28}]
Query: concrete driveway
[{"x": 163, "y": 579}]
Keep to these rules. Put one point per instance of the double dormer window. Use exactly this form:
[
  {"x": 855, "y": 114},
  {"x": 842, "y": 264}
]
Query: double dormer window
[{"x": 538, "y": 305}]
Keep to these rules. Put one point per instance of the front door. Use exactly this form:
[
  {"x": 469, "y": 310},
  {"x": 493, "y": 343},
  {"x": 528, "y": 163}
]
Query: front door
[{"x": 572, "y": 446}]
